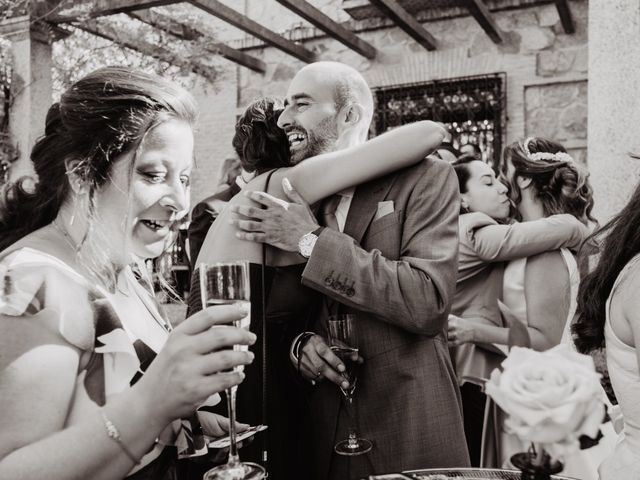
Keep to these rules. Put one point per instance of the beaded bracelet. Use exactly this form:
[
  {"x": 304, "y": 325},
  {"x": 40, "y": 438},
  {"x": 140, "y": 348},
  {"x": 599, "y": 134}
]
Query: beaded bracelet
[{"x": 114, "y": 434}]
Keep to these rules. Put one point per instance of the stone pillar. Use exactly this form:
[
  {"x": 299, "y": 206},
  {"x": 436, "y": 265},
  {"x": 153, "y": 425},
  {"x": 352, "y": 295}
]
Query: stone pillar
[
  {"x": 31, "y": 90},
  {"x": 614, "y": 102}
]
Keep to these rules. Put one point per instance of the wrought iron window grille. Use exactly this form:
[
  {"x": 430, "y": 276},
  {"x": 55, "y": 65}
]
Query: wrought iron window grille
[{"x": 472, "y": 108}]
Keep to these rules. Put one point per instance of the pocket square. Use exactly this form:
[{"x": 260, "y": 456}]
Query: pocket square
[{"x": 384, "y": 208}]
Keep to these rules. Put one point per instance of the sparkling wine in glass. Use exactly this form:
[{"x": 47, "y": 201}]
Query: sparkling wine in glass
[
  {"x": 344, "y": 344},
  {"x": 228, "y": 283}
]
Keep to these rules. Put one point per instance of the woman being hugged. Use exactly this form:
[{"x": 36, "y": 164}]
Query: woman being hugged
[
  {"x": 540, "y": 291},
  {"x": 609, "y": 317},
  {"x": 93, "y": 380},
  {"x": 488, "y": 240}
]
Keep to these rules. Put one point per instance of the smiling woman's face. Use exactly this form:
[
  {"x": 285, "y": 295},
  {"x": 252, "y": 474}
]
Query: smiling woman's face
[
  {"x": 485, "y": 193},
  {"x": 139, "y": 207}
]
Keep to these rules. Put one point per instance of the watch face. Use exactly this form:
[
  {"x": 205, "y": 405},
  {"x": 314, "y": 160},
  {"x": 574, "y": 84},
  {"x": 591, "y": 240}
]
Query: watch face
[{"x": 306, "y": 243}]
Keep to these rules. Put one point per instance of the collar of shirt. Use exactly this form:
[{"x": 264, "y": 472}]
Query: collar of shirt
[{"x": 343, "y": 207}]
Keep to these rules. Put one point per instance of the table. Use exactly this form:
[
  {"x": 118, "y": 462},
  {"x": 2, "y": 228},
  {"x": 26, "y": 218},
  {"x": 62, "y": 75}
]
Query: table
[{"x": 458, "y": 474}]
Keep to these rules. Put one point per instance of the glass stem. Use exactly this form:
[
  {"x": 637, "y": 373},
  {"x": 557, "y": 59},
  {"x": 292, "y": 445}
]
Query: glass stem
[
  {"x": 353, "y": 436},
  {"x": 234, "y": 459}
]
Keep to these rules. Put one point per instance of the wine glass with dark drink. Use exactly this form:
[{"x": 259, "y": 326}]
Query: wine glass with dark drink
[
  {"x": 344, "y": 344},
  {"x": 228, "y": 283}
]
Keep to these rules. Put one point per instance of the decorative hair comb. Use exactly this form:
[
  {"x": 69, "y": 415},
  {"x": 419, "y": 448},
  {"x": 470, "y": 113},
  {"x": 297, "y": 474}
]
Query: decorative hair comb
[{"x": 554, "y": 157}]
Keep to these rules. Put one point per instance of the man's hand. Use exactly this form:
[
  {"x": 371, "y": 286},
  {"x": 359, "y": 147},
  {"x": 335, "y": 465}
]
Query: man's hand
[
  {"x": 460, "y": 330},
  {"x": 317, "y": 362},
  {"x": 279, "y": 223}
]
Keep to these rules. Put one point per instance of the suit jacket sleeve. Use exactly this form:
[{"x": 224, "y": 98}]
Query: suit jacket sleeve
[
  {"x": 414, "y": 292},
  {"x": 499, "y": 243}
]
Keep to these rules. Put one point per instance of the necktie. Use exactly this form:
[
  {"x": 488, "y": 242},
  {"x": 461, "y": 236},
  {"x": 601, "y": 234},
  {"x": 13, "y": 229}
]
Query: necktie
[{"x": 329, "y": 208}]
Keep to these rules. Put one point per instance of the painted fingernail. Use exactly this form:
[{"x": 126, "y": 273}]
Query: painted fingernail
[
  {"x": 286, "y": 184},
  {"x": 341, "y": 368},
  {"x": 345, "y": 384}
]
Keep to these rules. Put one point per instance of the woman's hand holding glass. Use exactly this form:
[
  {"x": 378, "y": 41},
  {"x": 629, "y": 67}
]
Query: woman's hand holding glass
[{"x": 197, "y": 362}]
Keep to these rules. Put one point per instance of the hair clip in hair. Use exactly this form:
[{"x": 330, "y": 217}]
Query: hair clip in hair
[
  {"x": 525, "y": 146},
  {"x": 554, "y": 157},
  {"x": 538, "y": 156}
]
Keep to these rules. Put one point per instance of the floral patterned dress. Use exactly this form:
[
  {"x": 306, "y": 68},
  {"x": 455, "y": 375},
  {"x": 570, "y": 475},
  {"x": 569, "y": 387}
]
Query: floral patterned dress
[{"x": 116, "y": 344}]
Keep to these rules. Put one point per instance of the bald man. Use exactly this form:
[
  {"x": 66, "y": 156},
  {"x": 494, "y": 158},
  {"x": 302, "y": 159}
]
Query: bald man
[{"x": 388, "y": 255}]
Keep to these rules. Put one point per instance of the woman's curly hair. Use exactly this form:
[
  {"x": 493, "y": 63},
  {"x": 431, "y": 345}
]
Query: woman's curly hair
[
  {"x": 260, "y": 144},
  {"x": 561, "y": 185}
]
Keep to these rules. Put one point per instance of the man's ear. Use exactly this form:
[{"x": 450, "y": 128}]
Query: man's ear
[
  {"x": 523, "y": 182},
  {"x": 351, "y": 115}
]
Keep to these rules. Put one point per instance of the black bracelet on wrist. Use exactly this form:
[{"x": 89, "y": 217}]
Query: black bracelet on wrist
[{"x": 301, "y": 341}]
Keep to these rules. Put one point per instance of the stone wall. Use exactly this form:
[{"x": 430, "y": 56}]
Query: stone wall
[
  {"x": 536, "y": 52},
  {"x": 546, "y": 68}
]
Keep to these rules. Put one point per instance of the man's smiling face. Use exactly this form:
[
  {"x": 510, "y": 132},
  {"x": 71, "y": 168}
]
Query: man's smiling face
[{"x": 310, "y": 117}]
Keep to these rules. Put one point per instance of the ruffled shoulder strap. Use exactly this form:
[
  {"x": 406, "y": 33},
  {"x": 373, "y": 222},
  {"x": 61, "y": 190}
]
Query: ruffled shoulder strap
[{"x": 33, "y": 282}]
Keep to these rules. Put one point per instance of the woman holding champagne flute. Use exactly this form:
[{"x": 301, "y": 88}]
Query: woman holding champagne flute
[{"x": 94, "y": 381}]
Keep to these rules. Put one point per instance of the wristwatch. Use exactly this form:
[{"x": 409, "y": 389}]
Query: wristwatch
[{"x": 308, "y": 241}]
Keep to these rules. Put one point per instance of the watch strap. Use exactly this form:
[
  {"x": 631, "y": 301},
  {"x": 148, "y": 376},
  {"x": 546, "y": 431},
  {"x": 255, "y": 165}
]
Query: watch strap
[{"x": 318, "y": 231}]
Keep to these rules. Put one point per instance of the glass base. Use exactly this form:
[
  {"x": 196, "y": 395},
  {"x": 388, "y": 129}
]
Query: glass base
[
  {"x": 353, "y": 447},
  {"x": 522, "y": 461},
  {"x": 241, "y": 471}
]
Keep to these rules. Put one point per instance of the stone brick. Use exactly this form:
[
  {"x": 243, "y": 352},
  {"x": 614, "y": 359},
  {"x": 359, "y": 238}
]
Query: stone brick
[
  {"x": 548, "y": 16},
  {"x": 573, "y": 120},
  {"x": 534, "y": 38},
  {"x": 558, "y": 111},
  {"x": 558, "y": 95},
  {"x": 581, "y": 63},
  {"x": 543, "y": 123},
  {"x": 551, "y": 63}
]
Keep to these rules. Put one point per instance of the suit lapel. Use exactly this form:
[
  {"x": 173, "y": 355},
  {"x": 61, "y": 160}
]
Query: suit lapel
[{"x": 364, "y": 205}]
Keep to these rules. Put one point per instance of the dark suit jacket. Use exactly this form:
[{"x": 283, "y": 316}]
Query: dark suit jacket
[
  {"x": 397, "y": 274},
  {"x": 203, "y": 215}
]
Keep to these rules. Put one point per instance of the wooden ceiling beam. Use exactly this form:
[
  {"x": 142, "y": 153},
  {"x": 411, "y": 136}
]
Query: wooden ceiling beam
[
  {"x": 101, "y": 8},
  {"x": 565, "y": 16},
  {"x": 345, "y": 36},
  {"x": 406, "y": 22},
  {"x": 238, "y": 20},
  {"x": 481, "y": 13},
  {"x": 188, "y": 33},
  {"x": 134, "y": 42}
]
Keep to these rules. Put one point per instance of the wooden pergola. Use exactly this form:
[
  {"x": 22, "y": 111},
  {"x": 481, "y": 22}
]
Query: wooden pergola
[
  {"x": 31, "y": 35},
  {"x": 80, "y": 13}
]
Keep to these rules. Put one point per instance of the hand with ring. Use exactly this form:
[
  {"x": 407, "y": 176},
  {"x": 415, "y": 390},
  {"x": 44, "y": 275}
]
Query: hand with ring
[{"x": 318, "y": 362}]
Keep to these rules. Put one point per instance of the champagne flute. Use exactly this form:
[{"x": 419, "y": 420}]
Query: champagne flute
[
  {"x": 225, "y": 283},
  {"x": 344, "y": 344}
]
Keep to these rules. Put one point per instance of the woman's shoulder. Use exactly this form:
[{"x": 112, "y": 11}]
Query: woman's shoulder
[{"x": 35, "y": 284}]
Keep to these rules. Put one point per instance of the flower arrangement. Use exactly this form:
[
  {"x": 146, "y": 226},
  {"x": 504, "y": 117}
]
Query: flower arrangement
[{"x": 552, "y": 398}]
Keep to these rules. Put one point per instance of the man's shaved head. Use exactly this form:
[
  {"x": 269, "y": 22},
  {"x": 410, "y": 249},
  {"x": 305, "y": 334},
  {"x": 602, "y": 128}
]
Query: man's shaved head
[{"x": 348, "y": 83}]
